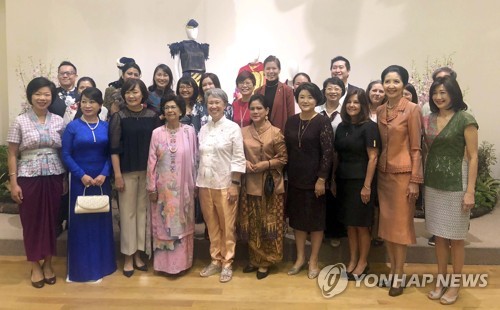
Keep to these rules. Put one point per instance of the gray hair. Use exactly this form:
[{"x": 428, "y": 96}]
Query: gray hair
[{"x": 217, "y": 93}]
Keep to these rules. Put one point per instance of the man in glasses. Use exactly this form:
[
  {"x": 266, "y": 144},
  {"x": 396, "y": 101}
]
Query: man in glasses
[{"x": 67, "y": 75}]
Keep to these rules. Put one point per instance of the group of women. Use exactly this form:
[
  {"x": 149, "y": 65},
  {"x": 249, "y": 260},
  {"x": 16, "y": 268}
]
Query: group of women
[{"x": 167, "y": 152}]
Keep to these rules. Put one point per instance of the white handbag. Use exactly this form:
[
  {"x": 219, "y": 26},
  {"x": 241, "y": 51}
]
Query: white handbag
[{"x": 92, "y": 204}]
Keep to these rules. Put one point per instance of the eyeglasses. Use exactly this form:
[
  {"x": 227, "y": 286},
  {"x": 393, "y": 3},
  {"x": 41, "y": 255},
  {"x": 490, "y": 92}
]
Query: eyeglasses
[
  {"x": 185, "y": 87},
  {"x": 249, "y": 84},
  {"x": 66, "y": 73},
  {"x": 170, "y": 107}
]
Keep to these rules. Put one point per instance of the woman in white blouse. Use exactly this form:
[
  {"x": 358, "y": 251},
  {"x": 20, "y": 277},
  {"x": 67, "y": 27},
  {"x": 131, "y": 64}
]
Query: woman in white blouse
[{"x": 222, "y": 161}]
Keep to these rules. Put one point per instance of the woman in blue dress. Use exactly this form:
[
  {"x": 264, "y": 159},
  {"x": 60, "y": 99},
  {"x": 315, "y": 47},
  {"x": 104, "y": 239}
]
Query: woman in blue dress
[{"x": 85, "y": 151}]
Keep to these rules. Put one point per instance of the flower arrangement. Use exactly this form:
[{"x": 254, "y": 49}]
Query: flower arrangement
[
  {"x": 423, "y": 80},
  {"x": 26, "y": 71}
]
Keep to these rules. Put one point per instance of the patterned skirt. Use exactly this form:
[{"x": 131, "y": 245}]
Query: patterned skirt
[
  {"x": 444, "y": 216},
  {"x": 261, "y": 223}
]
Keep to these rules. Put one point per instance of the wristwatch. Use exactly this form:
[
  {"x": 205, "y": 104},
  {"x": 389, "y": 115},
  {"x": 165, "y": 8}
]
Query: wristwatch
[{"x": 236, "y": 182}]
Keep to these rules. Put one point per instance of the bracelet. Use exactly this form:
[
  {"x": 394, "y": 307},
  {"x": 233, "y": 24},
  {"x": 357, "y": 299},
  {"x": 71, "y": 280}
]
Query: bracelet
[
  {"x": 11, "y": 174},
  {"x": 367, "y": 187},
  {"x": 321, "y": 179},
  {"x": 235, "y": 182}
]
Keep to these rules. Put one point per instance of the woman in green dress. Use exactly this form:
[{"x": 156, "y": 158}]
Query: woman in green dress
[{"x": 450, "y": 178}]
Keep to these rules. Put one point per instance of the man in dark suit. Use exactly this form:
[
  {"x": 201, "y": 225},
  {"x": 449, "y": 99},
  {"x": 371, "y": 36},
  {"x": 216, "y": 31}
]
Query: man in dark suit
[{"x": 341, "y": 67}]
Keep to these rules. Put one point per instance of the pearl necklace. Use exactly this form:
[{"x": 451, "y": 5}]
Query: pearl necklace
[{"x": 92, "y": 128}]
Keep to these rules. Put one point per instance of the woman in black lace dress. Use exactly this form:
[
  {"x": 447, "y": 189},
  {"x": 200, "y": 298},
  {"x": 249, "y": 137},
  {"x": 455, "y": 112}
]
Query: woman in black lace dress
[{"x": 309, "y": 141}]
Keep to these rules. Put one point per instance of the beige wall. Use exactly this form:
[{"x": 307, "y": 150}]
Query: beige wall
[
  {"x": 4, "y": 116},
  {"x": 371, "y": 33}
]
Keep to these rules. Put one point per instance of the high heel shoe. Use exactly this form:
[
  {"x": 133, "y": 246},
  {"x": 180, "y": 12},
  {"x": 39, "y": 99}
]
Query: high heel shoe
[
  {"x": 141, "y": 268},
  {"x": 313, "y": 273},
  {"x": 37, "y": 284},
  {"x": 395, "y": 291},
  {"x": 261, "y": 275},
  {"x": 353, "y": 277},
  {"x": 51, "y": 280},
  {"x": 448, "y": 300},
  {"x": 294, "y": 270},
  {"x": 435, "y": 295},
  {"x": 128, "y": 273}
]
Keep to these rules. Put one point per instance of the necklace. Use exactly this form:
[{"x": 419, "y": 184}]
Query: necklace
[
  {"x": 243, "y": 115},
  {"x": 172, "y": 146},
  {"x": 302, "y": 129},
  {"x": 90, "y": 127}
]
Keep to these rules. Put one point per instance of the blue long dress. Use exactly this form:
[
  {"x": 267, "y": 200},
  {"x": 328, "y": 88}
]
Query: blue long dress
[{"x": 91, "y": 251}]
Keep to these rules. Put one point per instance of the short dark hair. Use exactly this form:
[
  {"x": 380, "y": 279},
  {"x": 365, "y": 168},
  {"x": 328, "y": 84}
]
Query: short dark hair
[
  {"x": 301, "y": 74},
  {"x": 179, "y": 102},
  {"x": 93, "y": 93},
  {"x": 341, "y": 58},
  {"x": 261, "y": 99},
  {"x": 187, "y": 80},
  {"x": 402, "y": 72},
  {"x": 85, "y": 79},
  {"x": 132, "y": 83},
  {"x": 210, "y": 75},
  {"x": 448, "y": 70},
  {"x": 313, "y": 89},
  {"x": 66, "y": 63},
  {"x": 168, "y": 71},
  {"x": 37, "y": 83},
  {"x": 454, "y": 91},
  {"x": 335, "y": 81},
  {"x": 365, "y": 109},
  {"x": 272, "y": 58},
  {"x": 243, "y": 75},
  {"x": 414, "y": 97}
]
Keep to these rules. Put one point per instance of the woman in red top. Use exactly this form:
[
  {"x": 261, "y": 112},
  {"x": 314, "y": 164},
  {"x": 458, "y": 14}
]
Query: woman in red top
[
  {"x": 245, "y": 82},
  {"x": 279, "y": 95}
]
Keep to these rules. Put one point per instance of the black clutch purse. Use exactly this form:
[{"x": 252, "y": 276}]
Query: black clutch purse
[{"x": 269, "y": 184}]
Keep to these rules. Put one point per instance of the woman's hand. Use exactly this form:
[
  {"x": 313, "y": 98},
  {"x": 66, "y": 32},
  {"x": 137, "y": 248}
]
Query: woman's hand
[
  {"x": 319, "y": 187},
  {"x": 87, "y": 180},
  {"x": 365, "y": 195},
  {"x": 99, "y": 180},
  {"x": 232, "y": 193},
  {"x": 250, "y": 167},
  {"x": 153, "y": 196},
  {"x": 468, "y": 202},
  {"x": 412, "y": 192},
  {"x": 119, "y": 183},
  {"x": 261, "y": 166},
  {"x": 16, "y": 193}
]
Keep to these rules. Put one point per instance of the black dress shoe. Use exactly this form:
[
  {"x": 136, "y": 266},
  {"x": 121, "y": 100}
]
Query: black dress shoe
[
  {"x": 128, "y": 273},
  {"x": 395, "y": 291},
  {"x": 142, "y": 268},
  {"x": 353, "y": 277},
  {"x": 262, "y": 275},
  {"x": 250, "y": 268},
  {"x": 50, "y": 281}
]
